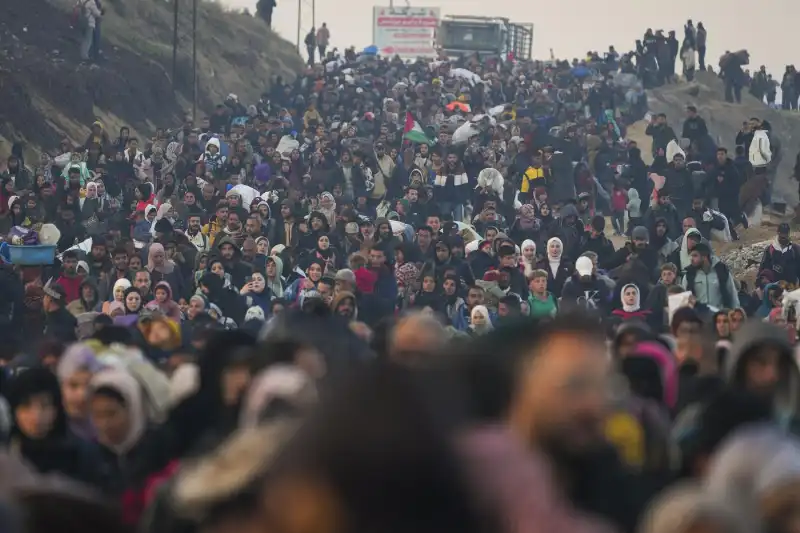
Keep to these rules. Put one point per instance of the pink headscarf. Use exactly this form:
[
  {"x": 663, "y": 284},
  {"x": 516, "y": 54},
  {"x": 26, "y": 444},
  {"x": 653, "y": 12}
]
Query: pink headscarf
[{"x": 166, "y": 268}]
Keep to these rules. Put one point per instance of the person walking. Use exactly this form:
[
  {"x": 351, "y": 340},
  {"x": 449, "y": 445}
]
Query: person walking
[
  {"x": 323, "y": 39},
  {"x": 311, "y": 45}
]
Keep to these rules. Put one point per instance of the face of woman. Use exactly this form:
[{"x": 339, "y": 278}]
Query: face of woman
[
  {"x": 258, "y": 282},
  {"x": 158, "y": 258},
  {"x": 218, "y": 269},
  {"x": 554, "y": 249},
  {"x": 479, "y": 319},
  {"x": 528, "y": 252},
  {"x": 272, "y": 269},
  {"x": 73, "y": 392},
  {"x": 132, "y": 302},
  {"x": 261, "y": 247},
  {"x": 324, "y": 243},
  {"x": 315, "y": 272},
  {"x": 110, "y": 418},
  {"x": 326, "y": 202},
  {"x": 630, "y": 295},
  {"x": 36, "y": 417},
  {"x": 544, "y": 210}
]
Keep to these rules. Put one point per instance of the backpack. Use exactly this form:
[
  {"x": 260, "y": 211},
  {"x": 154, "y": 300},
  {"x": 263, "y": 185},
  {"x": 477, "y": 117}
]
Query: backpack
[{"x": 78, "y": 17}]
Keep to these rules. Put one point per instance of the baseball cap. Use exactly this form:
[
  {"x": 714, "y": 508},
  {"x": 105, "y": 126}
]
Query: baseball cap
[
  {"x": 584, "y": 266},
  {"x": 351, "y": 228}
]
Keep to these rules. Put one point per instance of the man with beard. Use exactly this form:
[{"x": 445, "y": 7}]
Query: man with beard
[
  {"x": 195, "y": 234},
  {"x": 678, "y": 182},
  {"x": 585, "y": 290},
  {"x": 710, "y": 280},
  {"x": 423, "y": 251},
  {"x": 660, "y": 242},
  {"x": 385, "y": 239},
  {"x": 233, "y": 229},
  {"x": 723, "y": 183},
  {"x": 570, "y": 231},
  {"x": 762, "y": 361},
  {"x": 59, "y": 323},
  {"x": 249, "y": 250},
  {"x": 596, "y": 241},
  {"x": 69, "y": 280},
  {"x": 99, "y": 262},
  {"x": 704, "y": 219},
  {"x": 344, "y": 305},
  {"x": 143, "y": 282},
  {"x": 216, "y": 222},
  {"x": 663, "y": 208},
  {"x": 252, "y": 227},
  {"x": 635, "y": 250},
  {"x": 232, "y": 260},
  {"x": 286, "y": 230},
  {"x": 119, "y": 270},
  {"x": 210, "y": 198},
  {"x": 559, "y": 405}
]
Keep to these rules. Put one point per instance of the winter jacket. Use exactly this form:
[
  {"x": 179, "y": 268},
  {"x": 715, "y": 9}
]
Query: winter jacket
[
  {"x": 784, "y": 262},
  {"x": 760, "y": 153}
]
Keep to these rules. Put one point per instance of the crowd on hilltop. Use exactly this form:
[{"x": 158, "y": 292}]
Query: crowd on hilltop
[{"x": 238, "y": 306}]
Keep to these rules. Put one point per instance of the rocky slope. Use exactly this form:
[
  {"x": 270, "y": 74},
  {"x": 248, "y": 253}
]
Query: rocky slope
[
  {"x": 46, "y": 94},
  {"x": 724, "y": 120}
]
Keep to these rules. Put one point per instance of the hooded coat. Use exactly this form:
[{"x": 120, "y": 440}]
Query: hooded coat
[
  {"x": 59, "y": 451},
  {"x": 751, "y": 336},
  {"x": 238, "y": 269}
]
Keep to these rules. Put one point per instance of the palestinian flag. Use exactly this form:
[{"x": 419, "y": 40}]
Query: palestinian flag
[{"x": 413, "y": 131}]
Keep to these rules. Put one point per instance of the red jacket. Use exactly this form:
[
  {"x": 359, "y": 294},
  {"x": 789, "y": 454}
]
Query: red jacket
[{"x": 72, "y": 286}]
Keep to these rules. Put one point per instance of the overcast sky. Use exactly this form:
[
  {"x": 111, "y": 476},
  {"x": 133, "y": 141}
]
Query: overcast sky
[{"x": 571, "y": 27}]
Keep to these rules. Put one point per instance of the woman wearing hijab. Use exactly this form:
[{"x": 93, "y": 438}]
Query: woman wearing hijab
[
  {"x": 527, "y": 258},
  {"x": 558, "y": 270},
  {"x": 256, "y": 293},
  {"x": 133, "y": 304},
  {"x": 117, "y": 294},
  {"x": 326, "y": 253},
  {"x": 163, "y": 269},
  {"x": 40, "y": 435},
  {"x": 274, "y": 277},
  {"x": 526, "y": 226},
  {"x": 165, "y": 211},
  {"x": 327, "y": 206},
  {"x": 631, "y": 305},
  {"x": 75, "y": 369},
  {"x": 132, "y": 453},
  {"x": 480, "y": 322}
]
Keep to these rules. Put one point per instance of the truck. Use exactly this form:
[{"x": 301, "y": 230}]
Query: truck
[{"x": 486, "y": 36}]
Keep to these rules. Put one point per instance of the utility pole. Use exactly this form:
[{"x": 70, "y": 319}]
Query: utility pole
[
  {"x": 300, "y": 30},
  {"x": 299, "y": 20},
  {"x": 194, "y": 61},
  {"x": 174, "y": 44}
]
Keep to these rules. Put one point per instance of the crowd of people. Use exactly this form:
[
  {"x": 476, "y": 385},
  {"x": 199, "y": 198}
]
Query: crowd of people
[{"x": 386, "y": 286}]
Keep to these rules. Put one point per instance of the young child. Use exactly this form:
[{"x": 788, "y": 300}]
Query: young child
[
  {"x": 213, "y": 159},
  {"x": 658, "y": 300},
  {"x": 541, "y": 303},
  {"x": 619, "y": 203},
  {"x": 634, "y": 207}
]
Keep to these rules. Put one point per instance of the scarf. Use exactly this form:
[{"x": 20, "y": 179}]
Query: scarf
[
  {"x": 630, "y": 308},
  {"x": 167, "y": 268}
]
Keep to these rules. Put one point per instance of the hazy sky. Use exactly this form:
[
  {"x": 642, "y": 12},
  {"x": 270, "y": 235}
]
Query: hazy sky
[{"x": 571, "y": 28}]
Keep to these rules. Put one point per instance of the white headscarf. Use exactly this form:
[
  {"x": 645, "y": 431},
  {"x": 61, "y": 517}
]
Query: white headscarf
[
  {"x": 529, "y": 266},
  {"x": 636, "y": 306},
  {"x": 685, "y": 259},
  {"x": 555, "y": 262}
]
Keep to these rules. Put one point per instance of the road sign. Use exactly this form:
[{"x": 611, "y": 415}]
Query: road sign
[{"x": 405, "y": 31}]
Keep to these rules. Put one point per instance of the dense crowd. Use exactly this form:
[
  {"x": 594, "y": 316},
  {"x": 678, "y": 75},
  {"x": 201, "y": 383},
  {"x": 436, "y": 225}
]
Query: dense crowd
[{"x": 387, "y": 286}]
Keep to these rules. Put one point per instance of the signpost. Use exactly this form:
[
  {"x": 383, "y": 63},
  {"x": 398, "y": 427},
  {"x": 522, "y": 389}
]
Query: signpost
[{"x": 409, "y": 32}]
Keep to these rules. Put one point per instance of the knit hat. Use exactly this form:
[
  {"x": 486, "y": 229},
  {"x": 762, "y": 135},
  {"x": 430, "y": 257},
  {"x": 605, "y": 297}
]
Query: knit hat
[
  {"x": 347, "y": 275},
  {"x": 163, "y": 226},
  {"x": 351, "y": 228},
  {"x": 640, "y": 233}
]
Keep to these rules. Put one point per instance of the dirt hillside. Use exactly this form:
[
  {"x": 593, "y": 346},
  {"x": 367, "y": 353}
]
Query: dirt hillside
[
  {"x": 46, "y": 94},
  {"x": 724, "y": 120}
]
